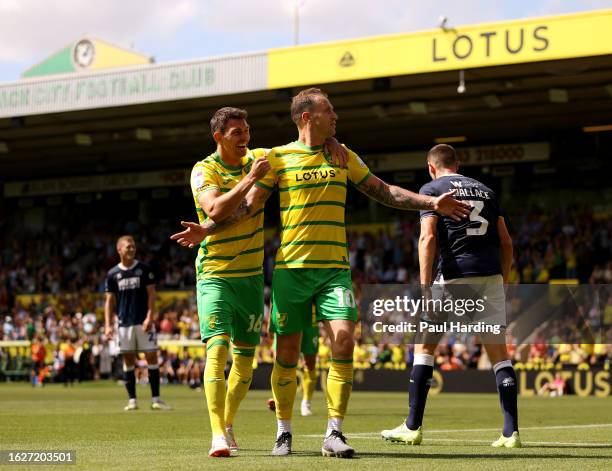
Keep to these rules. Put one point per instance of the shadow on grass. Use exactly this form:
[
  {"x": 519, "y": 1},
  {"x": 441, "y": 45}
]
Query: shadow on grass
[{"x": 259, "y": 452}]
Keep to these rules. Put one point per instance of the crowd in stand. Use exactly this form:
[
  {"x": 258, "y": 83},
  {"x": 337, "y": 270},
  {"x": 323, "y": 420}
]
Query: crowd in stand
[
  {"x": 67, "y": 272},
  {"x": 567, "y": 244}
]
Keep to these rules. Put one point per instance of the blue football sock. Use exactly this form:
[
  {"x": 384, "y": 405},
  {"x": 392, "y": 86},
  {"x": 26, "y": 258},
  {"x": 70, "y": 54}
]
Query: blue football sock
[
  {"x": 420, "y": 382},
  {"x": 507, "y": 387},
  {"x": 130, "y": 382},
  {"x": 154, "y": 380}
]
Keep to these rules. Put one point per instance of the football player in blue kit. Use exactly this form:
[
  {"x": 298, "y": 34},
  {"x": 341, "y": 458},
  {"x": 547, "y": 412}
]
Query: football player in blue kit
[
  {"x": 131, "y": 286},
  {"x": 475, "y": 253}
]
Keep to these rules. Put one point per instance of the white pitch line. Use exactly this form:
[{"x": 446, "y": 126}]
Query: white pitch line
[
  {"x": 454, "y": 430},
  {"x": 570, "y": 444},
  {"x": 445, "y": 440}
]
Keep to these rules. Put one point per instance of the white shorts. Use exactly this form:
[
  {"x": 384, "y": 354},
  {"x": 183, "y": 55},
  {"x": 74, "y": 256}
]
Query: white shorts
[
  {"x": 488, "y": 289},
  {"x": 134, "y": 339}
]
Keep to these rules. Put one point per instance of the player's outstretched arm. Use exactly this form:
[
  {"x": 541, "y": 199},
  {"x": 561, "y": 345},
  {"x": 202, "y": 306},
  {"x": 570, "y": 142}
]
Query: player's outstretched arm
[
  {"x": 505, "y": 245},
  {"x": 400, "y": 198},
  {"x": 195, "y": 233},
  {"x": 219, "y": 206}
]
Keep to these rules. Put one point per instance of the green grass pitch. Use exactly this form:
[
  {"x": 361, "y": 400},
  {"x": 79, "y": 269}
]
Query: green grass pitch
[{"x": 559, "y": 433}]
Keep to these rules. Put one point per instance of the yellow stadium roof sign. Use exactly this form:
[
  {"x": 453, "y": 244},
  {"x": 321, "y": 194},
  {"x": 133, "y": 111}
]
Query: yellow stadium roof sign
[{"x": 494, "y": 44}]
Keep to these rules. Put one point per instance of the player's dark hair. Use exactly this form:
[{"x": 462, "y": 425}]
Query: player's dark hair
[
  {"x": 219, "y": 120},
  {"x": 443, "y": 156},
  {"x": 304, "y": 101}
]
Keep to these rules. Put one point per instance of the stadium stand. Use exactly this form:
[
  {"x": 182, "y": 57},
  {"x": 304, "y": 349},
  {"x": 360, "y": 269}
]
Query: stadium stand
[{"x": 58, "y": 295}]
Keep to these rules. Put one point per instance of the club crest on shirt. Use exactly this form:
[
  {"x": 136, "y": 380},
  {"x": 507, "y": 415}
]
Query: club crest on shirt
[{"x": 281, "y": 319}]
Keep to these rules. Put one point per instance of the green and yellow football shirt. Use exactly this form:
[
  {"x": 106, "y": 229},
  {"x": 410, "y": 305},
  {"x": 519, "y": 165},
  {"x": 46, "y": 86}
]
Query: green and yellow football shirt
[
  {"x": 312, "y": 200},
  {"x": 237, "y": 250}
]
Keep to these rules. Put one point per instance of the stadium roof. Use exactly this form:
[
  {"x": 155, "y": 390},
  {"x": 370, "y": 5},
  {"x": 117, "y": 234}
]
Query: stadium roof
[{"x": 524, "y": 80}]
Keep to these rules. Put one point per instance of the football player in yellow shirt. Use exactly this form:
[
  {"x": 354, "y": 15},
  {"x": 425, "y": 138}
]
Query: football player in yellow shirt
[
  {"x": 312, "y": 264},
  {"x": 229, "y": 269}
]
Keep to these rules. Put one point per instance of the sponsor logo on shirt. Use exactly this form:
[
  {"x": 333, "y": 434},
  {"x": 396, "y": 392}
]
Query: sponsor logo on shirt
[
  {"x": 128, "y": 283},
  {"x": 315, "y": 175}
]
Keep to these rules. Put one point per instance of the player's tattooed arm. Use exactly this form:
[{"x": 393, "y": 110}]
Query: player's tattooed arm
[
  {"x": 394, "y": 196},
  {"x": 400, "y": 198},
  {"x": 253, "y": 203},
  {"x": 195, "y": 233},
  {"x": 243, "y": 210}
]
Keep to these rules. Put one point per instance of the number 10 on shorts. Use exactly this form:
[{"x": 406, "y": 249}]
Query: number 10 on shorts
[{"x": 345, "y": 297}]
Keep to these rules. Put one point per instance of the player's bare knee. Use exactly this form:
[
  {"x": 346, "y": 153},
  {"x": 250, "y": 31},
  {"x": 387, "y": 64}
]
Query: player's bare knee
[
  {"x": 288, "y": 357},
  {"x": 496, "y": 352},
  {"x": 151, "y": 358},
  {"x": 288, "y": 348},
  {"x": 342, "y": 347},
  {"x": 310, "y": 361},
  {"x": 425, "y": 349},
  {"x": 342, "y": 336},
  {"x": 129, "y": 359}
]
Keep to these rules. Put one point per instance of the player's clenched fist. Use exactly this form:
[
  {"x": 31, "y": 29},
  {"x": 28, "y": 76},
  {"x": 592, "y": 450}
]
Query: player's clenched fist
[{"x": 260, "y": 167}]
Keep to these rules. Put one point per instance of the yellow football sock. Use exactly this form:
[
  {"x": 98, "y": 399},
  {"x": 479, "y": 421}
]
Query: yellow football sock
[
  {"x": 214, "y": 382},
  {"x": 339, "y": 386},
  {"x": 309, "y": 383},
  {"x": 239, "y": 380},
  {"x": 284, "y": 387}
]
